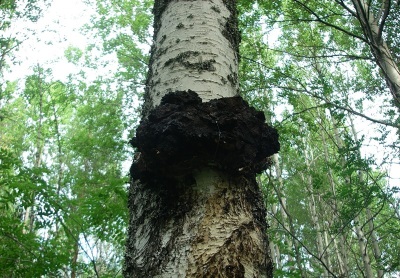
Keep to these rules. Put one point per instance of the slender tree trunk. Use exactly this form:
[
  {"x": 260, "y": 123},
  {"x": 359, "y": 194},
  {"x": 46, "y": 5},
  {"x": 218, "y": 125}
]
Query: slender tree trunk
[
  {"x": 372, "y": 26},
  {"x": 287, "y": 222},
  {"x": 332, "y": 211},
  {"x": 60, "y": 156},
  {"x": 191, "y": 216},
  {"x": 74, "y": 260},
  {"x": 340, "y": 246},
  {"x": 313, "y": 200},
  {"x": 275, "y": 252},
  {"x": 358, "y": 228},
  {"x": 275, "y": 209},
  {"x": 375, "y": 245},
  {"x": 322, "y": 255},
  {"x": 362, "y": 245},
  {"x": 29, "y": 216},
  {"x": 282, "y": 201}
]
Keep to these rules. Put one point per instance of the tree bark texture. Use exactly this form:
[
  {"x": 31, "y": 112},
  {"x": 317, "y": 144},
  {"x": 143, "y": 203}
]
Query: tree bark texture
[
  {"x": 214, "y": 226},
  {"x": 195, "y": 207},
  {"x": 196, "y": 47}
]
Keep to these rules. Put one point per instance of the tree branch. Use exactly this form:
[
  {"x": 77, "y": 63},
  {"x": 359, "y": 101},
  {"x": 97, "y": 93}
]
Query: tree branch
[
  {"x": 327, "y": 101},
  {"x": 352, "y": 111},
  {"x": 386, "y": 10},
  {"x": 319, "y": 19},
  {"x": 302, "y": 244},
  {"x": 347, "y": 8},
  {"x": 348, "y": 56}
]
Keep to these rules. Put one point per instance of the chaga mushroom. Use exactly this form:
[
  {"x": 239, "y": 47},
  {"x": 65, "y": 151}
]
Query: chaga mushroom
[{"x": 183, "y": 134}]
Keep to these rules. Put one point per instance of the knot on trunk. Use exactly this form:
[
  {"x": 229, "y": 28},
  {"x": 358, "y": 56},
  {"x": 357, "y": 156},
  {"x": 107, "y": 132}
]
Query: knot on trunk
[{"x": 183, "y": 134}]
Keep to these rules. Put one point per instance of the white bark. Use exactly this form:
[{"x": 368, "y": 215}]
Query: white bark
[
  {"x": 375, "y": 242},
  {"x": 359, "y": 233},
  {"x": 29, "y": 217},
  {"x": 287, "y": 224},
  {"x": 361, "y": 237},
  {"x": 362, "y": 245},
  {"x": 192, "y": 52},
  {"x": 312, "y": 203}
]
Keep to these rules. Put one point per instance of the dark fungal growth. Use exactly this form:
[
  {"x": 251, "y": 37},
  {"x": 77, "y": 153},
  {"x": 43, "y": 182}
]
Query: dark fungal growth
[{"x": 183, "y": 134}]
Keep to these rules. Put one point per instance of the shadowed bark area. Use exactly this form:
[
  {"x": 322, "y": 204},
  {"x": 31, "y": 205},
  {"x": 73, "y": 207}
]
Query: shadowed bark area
[{"x": 183, "y": 134}]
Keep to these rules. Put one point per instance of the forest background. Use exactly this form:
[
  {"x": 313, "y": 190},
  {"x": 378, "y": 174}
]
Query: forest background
[{"x": 72, "y": 78}]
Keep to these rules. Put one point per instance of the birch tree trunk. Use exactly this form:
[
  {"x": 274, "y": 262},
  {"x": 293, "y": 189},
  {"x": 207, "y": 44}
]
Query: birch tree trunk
[
  {"x": 339, "y": 242},
  {"x": 362, "y": 244},
  {"x": 370, "y": 220},
  {"x": 290, "y": 237},
  {"x": 361, "y": 239},
  {"x": 29, "y": 217},
  {"x": 372, "y": 26},
  {"x": 375, "y": 243},
  {"x": 312, "y": 204},
  {"x": 195, "y": 210}
]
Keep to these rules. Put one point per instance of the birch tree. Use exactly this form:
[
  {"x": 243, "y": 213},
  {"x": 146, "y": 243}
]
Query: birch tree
[{"x": 195, "y": 207}]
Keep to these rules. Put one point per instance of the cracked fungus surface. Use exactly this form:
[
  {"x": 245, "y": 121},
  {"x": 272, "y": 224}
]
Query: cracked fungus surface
[{"x": 183, "y": 134}]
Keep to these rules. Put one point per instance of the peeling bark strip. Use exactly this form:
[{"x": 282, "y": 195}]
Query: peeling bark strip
[{"x": 195, "y": 207}]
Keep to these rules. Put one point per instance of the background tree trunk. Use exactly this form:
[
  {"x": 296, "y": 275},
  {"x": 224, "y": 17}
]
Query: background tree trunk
[
  {"x": 372, "y": 27},
  {"x": 290, "y": 237}
]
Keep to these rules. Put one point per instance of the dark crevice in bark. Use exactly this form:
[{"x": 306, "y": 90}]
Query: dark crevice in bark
[
  {"x": 231, "y": 31},
  {"x": 183, "y": 134}
]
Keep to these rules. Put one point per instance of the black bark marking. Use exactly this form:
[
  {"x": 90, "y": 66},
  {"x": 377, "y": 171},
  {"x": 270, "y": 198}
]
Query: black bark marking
[
  {"x": 163, "y": 39},
  {"x": 183, "y": 134},
  {"x": 182, "y": 59},
  {"x": 233, "y": 78},
  {"x": 216, "y": 9}
]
